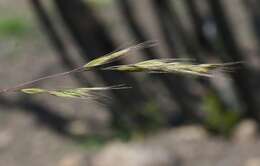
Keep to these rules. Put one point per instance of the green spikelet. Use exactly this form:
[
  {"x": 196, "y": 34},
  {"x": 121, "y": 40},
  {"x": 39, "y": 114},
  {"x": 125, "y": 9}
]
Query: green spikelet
[
  {"x": 78, "y": 93},
  {"x": 114, "y": 56},
  {"x": 173, "y": 66}
]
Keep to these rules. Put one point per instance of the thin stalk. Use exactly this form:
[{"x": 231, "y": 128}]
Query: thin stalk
[{"x": 22, "y": 85}]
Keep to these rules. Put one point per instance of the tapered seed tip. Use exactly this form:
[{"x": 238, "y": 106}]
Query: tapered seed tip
[
  {"x": 234, "y": 63},
  {"x": 146, "y": 44},
  {"x": 120, "y": 86}
]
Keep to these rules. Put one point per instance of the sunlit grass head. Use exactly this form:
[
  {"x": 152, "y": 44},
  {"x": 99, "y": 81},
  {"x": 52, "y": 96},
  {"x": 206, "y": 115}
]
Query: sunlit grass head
[
  {"x": 76, "y": 93},
  {"x": 176, "y": 66},
  {"x": 115, "y": 55}
]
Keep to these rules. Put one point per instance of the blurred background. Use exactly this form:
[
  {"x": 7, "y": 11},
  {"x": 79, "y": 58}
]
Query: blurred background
[{"x": 165, "y": 119}]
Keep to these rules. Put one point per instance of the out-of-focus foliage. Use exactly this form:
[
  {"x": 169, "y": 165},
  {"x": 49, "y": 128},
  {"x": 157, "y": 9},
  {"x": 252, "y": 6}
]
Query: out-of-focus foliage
[
  {"x": 217, "y": 118},
  {"x": 154, "y": 118},
  {"x": 13, "y": 27}
]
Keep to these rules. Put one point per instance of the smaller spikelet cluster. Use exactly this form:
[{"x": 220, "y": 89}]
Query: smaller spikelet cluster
[
  {"x": 115, "y": 55},
  {"x": 77, "y": 93}
]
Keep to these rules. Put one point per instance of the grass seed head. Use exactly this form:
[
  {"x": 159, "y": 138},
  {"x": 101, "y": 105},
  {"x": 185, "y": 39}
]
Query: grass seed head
[
  {"x": 33, "y": 90},
  {"x": 115, "y": 55},
  {"x": 173, "y": 66},
  {"x": 79, "y": 93}
]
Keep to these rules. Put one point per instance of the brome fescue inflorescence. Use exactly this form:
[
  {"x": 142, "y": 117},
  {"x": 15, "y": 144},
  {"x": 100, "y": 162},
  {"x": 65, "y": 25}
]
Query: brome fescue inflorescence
[{"x": 152, "y": 66}]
